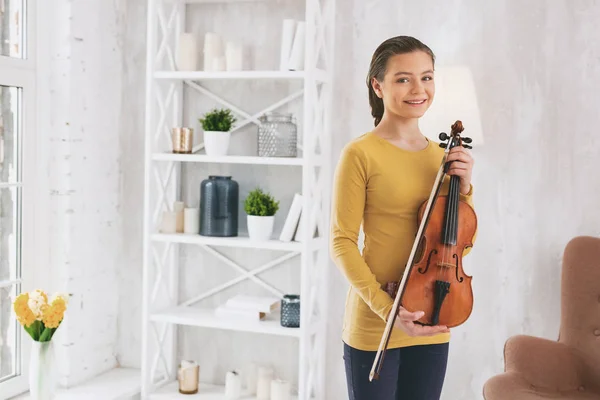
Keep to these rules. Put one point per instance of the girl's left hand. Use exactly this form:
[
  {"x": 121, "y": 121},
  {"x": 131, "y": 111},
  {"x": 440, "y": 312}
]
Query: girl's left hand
[{"x": 462, "y": 166}]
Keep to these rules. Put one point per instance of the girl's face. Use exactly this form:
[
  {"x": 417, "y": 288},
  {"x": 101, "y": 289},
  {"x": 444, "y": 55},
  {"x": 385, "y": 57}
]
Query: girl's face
[{"x": 408, "y": 88}]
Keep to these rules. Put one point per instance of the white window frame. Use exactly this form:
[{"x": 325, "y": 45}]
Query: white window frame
[{"x": 22, "y": 73}]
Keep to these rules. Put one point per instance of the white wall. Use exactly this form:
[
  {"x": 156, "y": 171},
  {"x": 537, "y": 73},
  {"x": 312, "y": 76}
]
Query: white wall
[
  {"x": 537, "y": 78},
  {"x": 79, "y": 90}
]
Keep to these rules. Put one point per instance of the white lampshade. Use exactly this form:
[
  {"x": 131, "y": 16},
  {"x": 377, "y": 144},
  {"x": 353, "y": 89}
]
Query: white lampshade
[{"x": 455, "y": 99}]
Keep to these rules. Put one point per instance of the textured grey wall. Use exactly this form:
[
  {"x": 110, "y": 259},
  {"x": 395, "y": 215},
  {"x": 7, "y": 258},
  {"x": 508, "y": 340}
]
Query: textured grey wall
[{"x": 537, "y": 74}]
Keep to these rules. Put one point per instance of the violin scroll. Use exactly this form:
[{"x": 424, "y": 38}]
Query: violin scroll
[{"x": 457, "y": 129}]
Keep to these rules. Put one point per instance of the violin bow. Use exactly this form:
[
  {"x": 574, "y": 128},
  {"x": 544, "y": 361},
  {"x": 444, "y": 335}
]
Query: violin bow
[{"x": 385, "y": 338}]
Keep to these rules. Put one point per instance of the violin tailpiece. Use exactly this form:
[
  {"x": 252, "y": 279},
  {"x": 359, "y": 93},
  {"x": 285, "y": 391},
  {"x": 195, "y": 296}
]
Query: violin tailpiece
[{"x": 441, "y": 290}]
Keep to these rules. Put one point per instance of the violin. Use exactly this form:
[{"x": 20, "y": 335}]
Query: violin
[{"x": 434, "y": 280}]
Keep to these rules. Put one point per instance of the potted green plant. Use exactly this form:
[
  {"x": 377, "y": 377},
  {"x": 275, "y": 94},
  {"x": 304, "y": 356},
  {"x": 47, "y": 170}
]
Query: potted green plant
[
  {"x": 261, "y": 208},
  {"x": 217, "y": 125}
]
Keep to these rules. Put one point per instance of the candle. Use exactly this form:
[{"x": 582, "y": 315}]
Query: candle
[
  {"x": 233, "y": 55},
  {"x": 263, "y": 385},
  {"x": 188, "y": 376},
  {"x": 280, "y": 390},
  {"x": 212, "y": 50},
  {"x": 182, "y": 140},
  {"x": 218, "y": 63},
  {"x": 233, "y": 385},
  {"x": 251, "y": 377},
  {"x": 191, "y": 220},
  {"x": 169, "y": 222},
  {"x": 178, "y": 207},
  {"x": 187, "y": 52}
]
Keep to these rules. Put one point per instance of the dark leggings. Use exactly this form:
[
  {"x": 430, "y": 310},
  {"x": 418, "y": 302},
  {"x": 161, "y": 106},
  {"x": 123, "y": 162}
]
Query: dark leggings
[{"x": 408, "y": 373}]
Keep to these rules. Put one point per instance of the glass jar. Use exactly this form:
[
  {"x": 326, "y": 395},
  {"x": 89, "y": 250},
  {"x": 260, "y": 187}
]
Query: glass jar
[
  {"x": 277, "y": 135},
  {"x": 290, "y": 311},
  {"x": 219, "y": 199}
]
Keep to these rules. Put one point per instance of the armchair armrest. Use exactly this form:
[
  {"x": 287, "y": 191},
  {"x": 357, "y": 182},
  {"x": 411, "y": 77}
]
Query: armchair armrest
[{"x": 543, "y": 363}]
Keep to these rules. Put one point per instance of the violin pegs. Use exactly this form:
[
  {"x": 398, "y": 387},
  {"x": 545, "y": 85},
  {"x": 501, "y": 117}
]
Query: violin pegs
[
  {"x": 444, "y": 136},
  {"x": 467, "y": 139},
  {"x": 443, "y": 145},
  {"x": 466, "y": 146}
]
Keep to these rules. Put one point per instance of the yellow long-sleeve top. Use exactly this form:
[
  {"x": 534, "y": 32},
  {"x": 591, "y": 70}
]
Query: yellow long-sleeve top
[{"x": 381, "y": 186}]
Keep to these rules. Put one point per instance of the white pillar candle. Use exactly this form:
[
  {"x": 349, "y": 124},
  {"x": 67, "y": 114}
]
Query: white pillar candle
[
  {"x": 187, "y": 52},
  {"x": 233, "y": 385},
  {"x": 169, "y": 222},
  {"x": 263, "y": 385},
  {"x": 212, "y": 50},
  {"x": 178, "y": 207},
  {"x": 218, "y": 63},
  {"x": 234, "y": 56},
  {"x": 280, "y": 390},
  {"x": 191, "y": 220},
  {"x": 251, "y": 378}
]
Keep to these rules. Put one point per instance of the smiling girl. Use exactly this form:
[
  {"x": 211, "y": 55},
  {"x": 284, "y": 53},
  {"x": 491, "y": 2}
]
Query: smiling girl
[{"x": 382, "y": 178}]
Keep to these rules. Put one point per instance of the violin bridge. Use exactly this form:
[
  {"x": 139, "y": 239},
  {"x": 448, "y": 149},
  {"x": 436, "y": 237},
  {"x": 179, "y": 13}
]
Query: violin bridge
[
  {"x": 445, "y": 265},
  {"x": 442, "y": 288}
]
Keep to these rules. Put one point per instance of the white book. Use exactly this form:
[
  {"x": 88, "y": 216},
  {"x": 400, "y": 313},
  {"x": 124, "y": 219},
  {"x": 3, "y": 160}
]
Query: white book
[
  {"x": 226, "y": 312},
  {"x": 262, "y": 304},
  {"x": 296, "y": 60},
  {"x": 300, "y": 231},
  {"x": 291, "y": 221},
  {"x": 287, "y": 41}
]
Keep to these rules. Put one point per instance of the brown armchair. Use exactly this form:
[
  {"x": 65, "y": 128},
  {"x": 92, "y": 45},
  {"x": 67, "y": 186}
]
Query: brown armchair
[{"x": 569, "y": 368}]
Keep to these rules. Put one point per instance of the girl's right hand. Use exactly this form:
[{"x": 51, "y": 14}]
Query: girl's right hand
[{"x": 406, "y": 321}]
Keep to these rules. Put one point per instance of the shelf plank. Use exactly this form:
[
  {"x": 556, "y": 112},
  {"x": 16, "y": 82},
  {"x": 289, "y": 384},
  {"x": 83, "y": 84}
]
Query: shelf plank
[
  {"x": 205, "y": 317},
  {"x": 202, "y": 158},
  {"x": 206, "y": 391},
  {"x": 207, "y": 75},
  {"x": 215, "y": 1},
  {"x": 240, "y": 241},
  {"x": 117, "y": 383}
]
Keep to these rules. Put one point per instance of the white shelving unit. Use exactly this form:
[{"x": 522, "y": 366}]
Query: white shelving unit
[{"x": 163, "y": 313}]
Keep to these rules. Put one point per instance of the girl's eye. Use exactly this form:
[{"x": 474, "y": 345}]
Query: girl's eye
[
  {"x": 402, "y": 80},
  {"x": 428, "y": 78}
]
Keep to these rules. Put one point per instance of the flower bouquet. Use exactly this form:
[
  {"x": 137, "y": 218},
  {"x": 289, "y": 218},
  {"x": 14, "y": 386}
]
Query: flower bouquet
[{"x": 41, "y": 318}]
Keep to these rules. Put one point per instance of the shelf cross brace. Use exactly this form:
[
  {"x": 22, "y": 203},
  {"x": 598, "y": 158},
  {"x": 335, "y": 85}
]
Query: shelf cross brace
[
  {"x": 248, "y": 117},
  {"x": 245, "y": 275}
]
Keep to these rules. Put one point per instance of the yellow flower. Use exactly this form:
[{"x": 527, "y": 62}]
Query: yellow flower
[
  {"x": 54, "y": 313},
  {"x": 64, "y": 296},
  {"x": 25, "y": 316},
  {"x": 38, "y": 302}
]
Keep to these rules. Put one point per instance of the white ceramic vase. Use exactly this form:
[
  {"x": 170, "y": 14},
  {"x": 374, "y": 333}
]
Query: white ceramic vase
[
  {"x": 42, "y": 371},
  {"x": 260, "y": 227},
  {"x": 216, "y": 143}
]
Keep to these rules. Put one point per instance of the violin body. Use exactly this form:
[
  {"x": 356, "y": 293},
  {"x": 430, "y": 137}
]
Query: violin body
[{"x": 437, "y": 283}]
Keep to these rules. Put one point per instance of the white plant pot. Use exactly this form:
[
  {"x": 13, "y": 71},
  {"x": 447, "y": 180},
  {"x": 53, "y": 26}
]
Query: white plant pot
[
  {"x": 216, "y": 143},
  {"x": 260, "y": 228}
]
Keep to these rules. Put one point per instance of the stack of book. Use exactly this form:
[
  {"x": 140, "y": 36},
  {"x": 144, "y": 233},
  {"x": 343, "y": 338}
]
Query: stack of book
[{"x": 248, "y": 307}]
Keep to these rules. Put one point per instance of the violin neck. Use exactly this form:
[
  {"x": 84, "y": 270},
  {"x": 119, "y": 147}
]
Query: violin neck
[{"x": 450, "y": 231}]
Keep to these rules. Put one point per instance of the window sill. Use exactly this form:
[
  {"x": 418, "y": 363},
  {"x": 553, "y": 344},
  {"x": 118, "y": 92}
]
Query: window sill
[{"x": 116, "y": 384}]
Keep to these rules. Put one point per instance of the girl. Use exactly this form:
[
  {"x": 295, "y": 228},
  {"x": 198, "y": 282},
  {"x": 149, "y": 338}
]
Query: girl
[{"x": 381, "y": 180}]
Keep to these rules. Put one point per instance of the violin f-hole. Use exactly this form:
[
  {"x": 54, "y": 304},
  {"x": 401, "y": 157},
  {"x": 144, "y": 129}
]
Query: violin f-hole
[
  {"x": 431, "y": 253},
  {"x": 459, "y": 279}
]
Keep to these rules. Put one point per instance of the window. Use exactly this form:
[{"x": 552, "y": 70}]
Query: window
[{"x": 17, "y": 185}]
